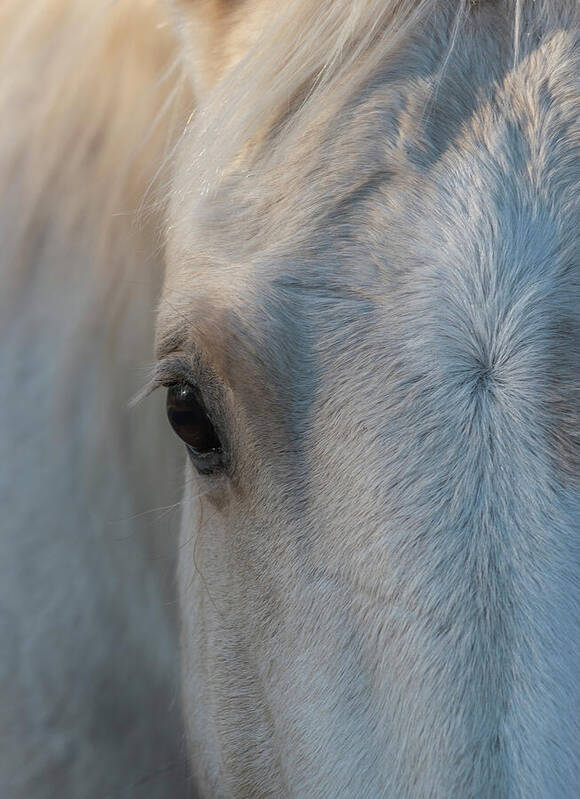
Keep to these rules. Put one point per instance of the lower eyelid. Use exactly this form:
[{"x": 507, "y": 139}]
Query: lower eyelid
[{"x": 212, "y": 463}]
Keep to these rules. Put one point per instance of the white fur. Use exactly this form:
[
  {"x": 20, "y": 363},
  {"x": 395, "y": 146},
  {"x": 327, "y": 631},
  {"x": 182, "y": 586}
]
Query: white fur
[
  {"x": 88, "y": 669},
  {"x": 373, "y": 271},
  {"x": 382, "y": 598}
]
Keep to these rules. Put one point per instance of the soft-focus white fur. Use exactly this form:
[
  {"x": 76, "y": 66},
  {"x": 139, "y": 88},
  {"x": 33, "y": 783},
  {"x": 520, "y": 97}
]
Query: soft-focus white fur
[
  {"x": 91, "y": 101},
  {"x": 372, "y": 245}
]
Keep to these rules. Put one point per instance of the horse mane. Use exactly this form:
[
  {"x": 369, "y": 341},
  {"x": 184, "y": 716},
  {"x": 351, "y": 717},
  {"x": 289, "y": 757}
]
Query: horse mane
[
  {"x": 110, "y": 82},
  {"x": 289, "y": 68},
  {"x": 85, "y": 92},
  {"x": 92, "y": 99}
]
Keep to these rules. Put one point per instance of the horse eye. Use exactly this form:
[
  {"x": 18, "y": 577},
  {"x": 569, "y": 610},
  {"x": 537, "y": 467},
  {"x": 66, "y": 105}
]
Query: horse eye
[{"x": 188, "y": 417}]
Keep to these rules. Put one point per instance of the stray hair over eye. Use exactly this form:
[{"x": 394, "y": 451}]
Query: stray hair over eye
[{"x": 190, "y": 420}]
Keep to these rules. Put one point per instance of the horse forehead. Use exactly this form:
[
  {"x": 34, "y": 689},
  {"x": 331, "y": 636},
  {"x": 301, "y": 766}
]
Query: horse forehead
[{"x": 386, "y": 189}]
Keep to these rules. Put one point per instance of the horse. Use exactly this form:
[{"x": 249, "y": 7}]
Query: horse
[{"x": 367, "y": 340}]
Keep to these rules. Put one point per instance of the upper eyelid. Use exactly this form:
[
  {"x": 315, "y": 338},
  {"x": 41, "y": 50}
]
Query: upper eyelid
[{"x": 173, "y": 368}]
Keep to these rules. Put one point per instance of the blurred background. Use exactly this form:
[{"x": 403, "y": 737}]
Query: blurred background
[{"x": 92, "y": 101}]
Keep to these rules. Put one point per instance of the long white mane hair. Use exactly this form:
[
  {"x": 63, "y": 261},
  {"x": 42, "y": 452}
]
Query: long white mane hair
[{"x": 92, "y": 97}]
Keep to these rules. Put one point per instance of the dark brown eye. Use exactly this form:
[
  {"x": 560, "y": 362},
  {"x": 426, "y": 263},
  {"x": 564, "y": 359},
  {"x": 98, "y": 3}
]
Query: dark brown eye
[{"x": 188, "y": 417}]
